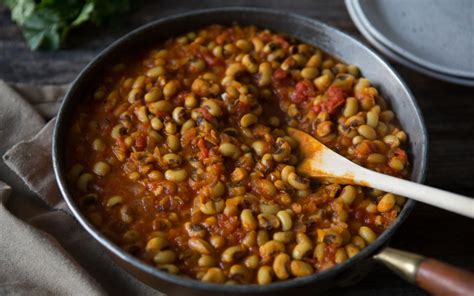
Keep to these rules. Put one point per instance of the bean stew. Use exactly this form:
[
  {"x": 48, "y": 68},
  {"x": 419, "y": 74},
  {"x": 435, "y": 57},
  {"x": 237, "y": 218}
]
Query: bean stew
[{"x": 179, "y": 155}]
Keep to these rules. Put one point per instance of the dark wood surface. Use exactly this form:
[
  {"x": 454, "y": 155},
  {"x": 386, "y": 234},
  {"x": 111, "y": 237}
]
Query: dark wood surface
[{"x": 448, "y": 110}]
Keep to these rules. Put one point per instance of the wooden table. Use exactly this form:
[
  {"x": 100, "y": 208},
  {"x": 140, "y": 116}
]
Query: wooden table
[{"x": 448, "y": 111}]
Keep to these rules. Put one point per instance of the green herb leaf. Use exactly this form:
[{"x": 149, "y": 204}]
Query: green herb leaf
[{"x": 47, "y": 23}]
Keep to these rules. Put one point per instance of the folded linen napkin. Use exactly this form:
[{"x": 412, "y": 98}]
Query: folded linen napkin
[{"x": 43, "y": 249}]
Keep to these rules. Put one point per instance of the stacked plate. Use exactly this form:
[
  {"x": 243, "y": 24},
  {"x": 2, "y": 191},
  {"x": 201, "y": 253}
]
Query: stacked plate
[{"x": 434, "y": 37}]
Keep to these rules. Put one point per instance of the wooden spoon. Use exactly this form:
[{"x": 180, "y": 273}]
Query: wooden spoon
[{"x": 321, "y": 162}]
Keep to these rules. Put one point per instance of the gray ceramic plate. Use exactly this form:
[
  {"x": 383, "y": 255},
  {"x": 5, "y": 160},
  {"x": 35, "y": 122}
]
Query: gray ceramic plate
[
  {"x": 433, "y": 33},
  {"x": 355, "y": 15}
]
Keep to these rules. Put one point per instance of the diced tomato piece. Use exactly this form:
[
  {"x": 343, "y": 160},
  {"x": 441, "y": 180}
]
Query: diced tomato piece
[
  {"x": 202, "y": 147},
  {"x": 227, "y": 224},
  {"x": 400, "y": 154},
  {"x": 279, "y": 75},
  {"x": 188, "y": 136},
  {"x": 212, "y": 60},
  {"x": 205, "y": 113},
  {"x": 282, "y": 42},
  {"x": 242, "y": 108},
  {"x": 303, "y": 91},
  {"x": 140, "y": 142},
  {"x": 332, "y": 100}
]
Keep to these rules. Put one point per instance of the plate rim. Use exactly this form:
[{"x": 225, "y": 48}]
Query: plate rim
[
  {"x": 400, "y": 59},
  {"x": 394, "y": 47}
]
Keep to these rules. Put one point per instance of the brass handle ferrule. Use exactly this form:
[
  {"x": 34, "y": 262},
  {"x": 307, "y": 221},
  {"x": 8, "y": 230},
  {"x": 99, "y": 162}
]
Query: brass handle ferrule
[{"x": 403, "y": 263}]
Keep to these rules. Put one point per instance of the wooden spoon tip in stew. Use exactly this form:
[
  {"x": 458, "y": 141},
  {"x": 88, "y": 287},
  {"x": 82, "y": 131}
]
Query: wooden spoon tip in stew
[{"x": 321, "y": 162}]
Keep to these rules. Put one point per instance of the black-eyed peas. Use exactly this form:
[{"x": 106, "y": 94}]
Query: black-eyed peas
[
  {"x": 200, "y": 245},
  {"x": 300, "y": 268},
  {"x": 264, "y": 275},
  {"x": 233, "y": 253},
  {"x": 214, "y": 275},
  {"x": 182, "y": 157},
  {"x": 281, "y": 266},
  {"x": 164, "y": 257},
  {"x": 156, "y": 244},
  {"x": 83, "y": 181},
  {"x": 271, "y": 248}
]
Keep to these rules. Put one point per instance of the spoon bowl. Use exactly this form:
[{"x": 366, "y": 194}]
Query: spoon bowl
[{"x": 321, "y": 162}]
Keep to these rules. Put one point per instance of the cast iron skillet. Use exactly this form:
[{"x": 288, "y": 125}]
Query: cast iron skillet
[{"x": 328, "y": 39}]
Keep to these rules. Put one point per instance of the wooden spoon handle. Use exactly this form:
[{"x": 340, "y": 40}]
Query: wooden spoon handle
[
  {"x": 434, "y": 276},
  {"x": 436, "y": 197},
  {"x": 443, "y": 279}
]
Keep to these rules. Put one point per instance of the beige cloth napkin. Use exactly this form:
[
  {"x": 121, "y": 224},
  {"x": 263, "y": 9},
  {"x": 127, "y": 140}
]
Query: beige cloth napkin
[{"x": 43, "y": 249}]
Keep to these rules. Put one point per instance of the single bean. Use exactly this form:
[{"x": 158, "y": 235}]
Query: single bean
[
  {"x": 217, "y": 241},
  {"x": 281, "y": 266},
  {"x": 98, "y": 145},
  {"x": 153, "y": 95},
  {"x": 352, "y": 250},
  {"x": 156, "y": 71},
  {"x": 372, "y": 119},
  {"x": 262, "y": 237},
  {"x": 206, "y": 261},
  {"x": 285, "y": 172},
  {"x": 178, "y": 175},
  {"x": 367, "y": 234},
  {"x": 156, "y": 123},
  {"x": 214, "y": 275},
  {"x": 251, "y": 261},
  {"x": 114, "y": 200},
  {"x": 300, "y": 268},
  {"x": 268, "y": 221},
  {"x": 264, "y": 275},
  {"x": 230, "y": 150},
  {"x": 271, "y": 248},
  {"x": 392, "y": 141},
  {"x": 367, "y": 132},
  {"x": 298, "y": 182},
  {"x": 265, "y": 71},
  {"x": 248, "y": 120},
  {"x": 170, "y": 268},
  {"x": 301, "y": 249},
  {"x": 396, "y": 164},
  {"x": 212, "y": 107},
  {"x": 165, "y": 257},
  {"x": 248, "y": 220},
  {"x": 160, "y": 107},
  {"x": 101, "y": 168},
  {"x": 348, "y": 194},
  {"x": 386, "y": 203},
  {"x": 179, "y": 115},
  {"x": 341, "y": 255},
  {"x": 170, "y": 88},
  {"x": 83, "y": 181},
  {"x": 173, "y": 142},
  {"x": 284, "y": 236},
  {"x": 200, "y": 245},
  {"x": 239, "y": 272},
  {"x": 376, "y": 158},
  {"x": 172, "y": 159},
  {"x": 233, "y": 253},
  {"x": 250, "y": 239},
  {"x": 156, "y": 244},
  {"x": 285, "y": 219},
  {"x": 319, "y": 252},
  {"x": 358, "y": 242},
  {"x": 195, "y": 229}
]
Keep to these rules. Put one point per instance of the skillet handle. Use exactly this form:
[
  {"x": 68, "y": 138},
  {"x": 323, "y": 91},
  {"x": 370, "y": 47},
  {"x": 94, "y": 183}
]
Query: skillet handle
[{"x": 434, "y": 276}]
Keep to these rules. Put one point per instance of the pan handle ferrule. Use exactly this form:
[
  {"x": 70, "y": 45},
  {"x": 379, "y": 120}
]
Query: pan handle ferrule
[{"x": 403, "y": 263}]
